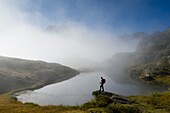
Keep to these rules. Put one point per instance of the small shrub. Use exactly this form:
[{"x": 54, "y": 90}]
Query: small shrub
[
  {"x": 120, "y": 108},
  {"x": 31, "y": 104},
  {"x": 154, "y": 99},
  {"x": 88, "y": 105},
  {"x": 100, "y": 101},
  {"x": 103, "y": 100},
  {"x": 14, "y": 98},
  {"x": 101, "y": 104}
]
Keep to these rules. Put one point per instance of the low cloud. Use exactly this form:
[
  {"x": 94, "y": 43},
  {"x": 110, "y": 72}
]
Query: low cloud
[{"x": 64, "y": 42}]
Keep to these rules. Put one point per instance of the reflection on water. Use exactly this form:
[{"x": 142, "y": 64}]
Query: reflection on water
[{"x": 76, "y": 91}]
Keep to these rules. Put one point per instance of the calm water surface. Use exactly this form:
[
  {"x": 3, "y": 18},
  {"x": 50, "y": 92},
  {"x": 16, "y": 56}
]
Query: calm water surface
[{"x": 76, "y": 90}]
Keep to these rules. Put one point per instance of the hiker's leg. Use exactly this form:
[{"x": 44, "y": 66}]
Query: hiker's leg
[{"x": 102, "y": 87}]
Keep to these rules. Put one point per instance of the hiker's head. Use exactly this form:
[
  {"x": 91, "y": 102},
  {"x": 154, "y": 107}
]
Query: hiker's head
[{"x": 101, "y": 77}]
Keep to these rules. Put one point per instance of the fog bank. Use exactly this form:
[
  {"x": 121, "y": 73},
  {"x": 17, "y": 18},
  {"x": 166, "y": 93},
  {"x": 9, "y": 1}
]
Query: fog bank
[{"x": 69, "y": 43}]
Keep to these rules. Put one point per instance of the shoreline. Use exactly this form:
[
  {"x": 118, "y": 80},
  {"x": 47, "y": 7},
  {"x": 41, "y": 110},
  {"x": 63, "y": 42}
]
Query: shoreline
[{"x": 37, "y": 86}]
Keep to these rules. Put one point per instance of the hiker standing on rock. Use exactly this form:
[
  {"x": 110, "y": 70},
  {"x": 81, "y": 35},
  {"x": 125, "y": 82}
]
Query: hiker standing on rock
[{"x": 101, "y": 84}]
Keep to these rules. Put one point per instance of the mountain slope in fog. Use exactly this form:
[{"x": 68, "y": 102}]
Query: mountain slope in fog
[
  {"x": 155, "y": 51},
  {"x": 19, "y": 73},
  {"x": 151, "y": 56}
]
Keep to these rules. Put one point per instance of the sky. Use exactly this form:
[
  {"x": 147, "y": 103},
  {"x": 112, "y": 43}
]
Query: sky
[
  {"x": 85, "y": 30},
  {"x": 119, "y": 16}
]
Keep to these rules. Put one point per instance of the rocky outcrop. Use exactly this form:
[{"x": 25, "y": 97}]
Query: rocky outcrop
[{"x": 112, "y": 98}]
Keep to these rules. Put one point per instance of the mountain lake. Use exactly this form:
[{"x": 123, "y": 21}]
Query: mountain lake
[{"x": 77, "y": 90}]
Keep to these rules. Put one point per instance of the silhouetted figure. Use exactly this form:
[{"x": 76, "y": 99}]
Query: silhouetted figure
[{"x": 101, "y": 84}]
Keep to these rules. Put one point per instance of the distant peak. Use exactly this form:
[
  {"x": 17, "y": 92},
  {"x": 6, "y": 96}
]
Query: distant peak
[
  {"x": 156, "y": 33},
  {"x": 139, "y": 34},
  {"x": 136, "y": 35},
  {"x": 167, "y": 31}
]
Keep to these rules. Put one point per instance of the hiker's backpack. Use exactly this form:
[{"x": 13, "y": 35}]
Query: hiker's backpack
[{"x": 104, "y": 81}]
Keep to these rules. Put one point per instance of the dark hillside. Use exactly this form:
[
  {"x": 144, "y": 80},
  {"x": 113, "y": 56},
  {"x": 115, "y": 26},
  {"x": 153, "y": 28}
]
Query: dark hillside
[{"x": 18, "y": 73}]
